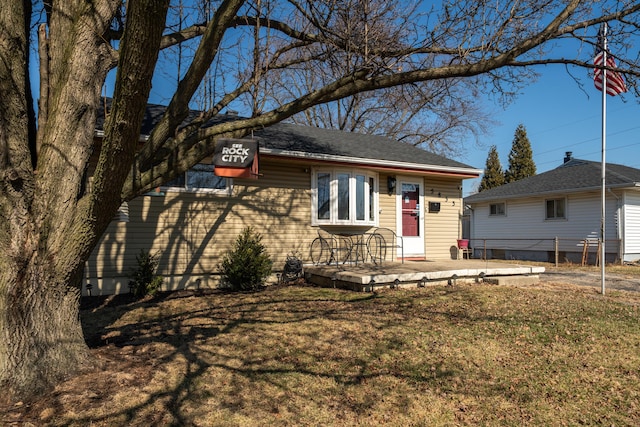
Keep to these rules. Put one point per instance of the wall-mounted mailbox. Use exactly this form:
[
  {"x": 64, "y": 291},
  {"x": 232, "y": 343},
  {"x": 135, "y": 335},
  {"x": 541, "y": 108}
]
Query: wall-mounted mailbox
[{"x": 434, "y": 206}]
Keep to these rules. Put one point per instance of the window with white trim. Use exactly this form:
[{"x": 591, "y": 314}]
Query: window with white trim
[
  {"x": 497, "y": 209},
  {"x": 200, "y": 178},
  {"x": 344, "y": 197},
  {"x": 555, "y": 209}
]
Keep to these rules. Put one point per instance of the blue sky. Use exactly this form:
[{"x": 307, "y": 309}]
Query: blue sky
[
  {"x": 561, "y": 116},
  {"x": 558, "y": 114}
]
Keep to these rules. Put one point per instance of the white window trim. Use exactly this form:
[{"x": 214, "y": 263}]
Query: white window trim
[
  {"x": 498, "y": 214},
  {"x": 333, "y": 199},
  {"x": 556, "y": 218},
  {"x": 186, "y": 189}
]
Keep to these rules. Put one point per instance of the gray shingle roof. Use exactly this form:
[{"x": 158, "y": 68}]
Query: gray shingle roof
[
  {"x": 289, "y": 137},
  {"x": 283, "y": 137},
  {"x": 571, "y": 177}
]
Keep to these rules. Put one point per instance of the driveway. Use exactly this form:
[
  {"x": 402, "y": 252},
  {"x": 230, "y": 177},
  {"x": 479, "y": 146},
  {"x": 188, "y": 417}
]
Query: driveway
[{"x": 584, "y": 278}]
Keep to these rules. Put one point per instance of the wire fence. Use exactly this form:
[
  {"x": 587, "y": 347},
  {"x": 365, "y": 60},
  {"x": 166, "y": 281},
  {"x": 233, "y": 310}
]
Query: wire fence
[{"x": 557, "y": 249}]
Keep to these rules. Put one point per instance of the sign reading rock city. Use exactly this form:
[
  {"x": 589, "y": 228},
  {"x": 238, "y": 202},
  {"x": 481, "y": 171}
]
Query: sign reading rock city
[{"x": 236, "y": 158}]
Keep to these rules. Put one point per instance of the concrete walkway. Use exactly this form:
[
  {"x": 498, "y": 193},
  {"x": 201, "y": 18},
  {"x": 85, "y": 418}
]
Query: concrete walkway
[{"x": 367, "y": 277}]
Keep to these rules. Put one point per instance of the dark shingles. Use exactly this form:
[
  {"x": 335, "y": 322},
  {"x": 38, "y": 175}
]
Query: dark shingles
[
  {"x": 284, "y": 136},
  {"x": 313, "y": 140},
  {"x": 574, "y": 176}
]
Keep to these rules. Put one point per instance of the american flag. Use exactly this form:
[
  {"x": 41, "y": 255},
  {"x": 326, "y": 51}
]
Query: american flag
[{"x": 615, "y": 81}]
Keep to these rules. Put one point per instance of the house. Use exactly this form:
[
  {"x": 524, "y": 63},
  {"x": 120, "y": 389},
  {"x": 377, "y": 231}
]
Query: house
[
  {"x": 309, "y": 179},
  {"x": 526, "y": 219}
]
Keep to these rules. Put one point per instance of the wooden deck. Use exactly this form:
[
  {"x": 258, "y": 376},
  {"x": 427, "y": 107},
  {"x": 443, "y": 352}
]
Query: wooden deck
[{"x": 368, "y": 277}]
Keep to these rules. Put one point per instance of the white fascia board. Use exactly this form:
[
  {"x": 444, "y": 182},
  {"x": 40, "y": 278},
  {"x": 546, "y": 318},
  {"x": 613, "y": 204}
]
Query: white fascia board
[
  {"x": 369, "y": 162},
  {"x": 354, "y": 160}
]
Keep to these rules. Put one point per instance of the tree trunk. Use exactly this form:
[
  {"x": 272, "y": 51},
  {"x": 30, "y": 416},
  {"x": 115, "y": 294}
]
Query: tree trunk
[
  {"x": 49, "y": 224},
  {"x": 40, "y": 328}
]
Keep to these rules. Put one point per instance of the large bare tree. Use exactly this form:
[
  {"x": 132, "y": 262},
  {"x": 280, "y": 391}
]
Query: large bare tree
[
  {"x": 438, "y": 115},
  {"x": 50, "y": 220}
]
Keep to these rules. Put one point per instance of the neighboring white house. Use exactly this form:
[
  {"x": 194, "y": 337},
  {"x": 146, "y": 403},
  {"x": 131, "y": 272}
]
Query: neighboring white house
[{"x": 526, "y": 219}]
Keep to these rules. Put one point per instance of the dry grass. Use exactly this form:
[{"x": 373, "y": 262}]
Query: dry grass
[{"x": 464, "y": 355}]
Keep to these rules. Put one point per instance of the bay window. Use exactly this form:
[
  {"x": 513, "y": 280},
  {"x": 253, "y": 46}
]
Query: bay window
[{"x": 344, "y": 197}]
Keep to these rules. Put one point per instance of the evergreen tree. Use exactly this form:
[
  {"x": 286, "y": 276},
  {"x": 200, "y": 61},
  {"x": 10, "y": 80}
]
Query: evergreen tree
[
  {"x": 493, "y": 175},
  {"x": 520, "y": 158}
]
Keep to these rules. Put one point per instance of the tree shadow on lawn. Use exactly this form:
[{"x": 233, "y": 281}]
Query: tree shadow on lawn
[{"x": 165, "y": 361}]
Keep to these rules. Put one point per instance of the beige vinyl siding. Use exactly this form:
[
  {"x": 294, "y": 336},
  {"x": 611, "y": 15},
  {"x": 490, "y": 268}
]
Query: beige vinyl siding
[
  {"x": 192, "y": 231},
  {"x": 278, "y": 205},
  {"x": 387, "y": 205},
  {"x": 442, "y": 228}
]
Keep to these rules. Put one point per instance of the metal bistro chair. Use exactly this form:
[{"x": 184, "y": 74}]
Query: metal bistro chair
[
  {"x": 353, "y": 247},
  {"x": 330, "y": 248},
  {"x": 324, "y": 249},
  {"x": 345, "y": 247},
  {"x": 382, "y": 239}
]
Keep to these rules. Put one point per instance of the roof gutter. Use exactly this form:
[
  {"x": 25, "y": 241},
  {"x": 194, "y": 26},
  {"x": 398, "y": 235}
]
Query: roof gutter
[
  {"x": 554, "y": 192},
  {"x": 393, "y": 165}
]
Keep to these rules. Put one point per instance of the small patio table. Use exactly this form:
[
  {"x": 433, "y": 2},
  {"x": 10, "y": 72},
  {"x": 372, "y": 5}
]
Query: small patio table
[{"x": 356, "y": 246}]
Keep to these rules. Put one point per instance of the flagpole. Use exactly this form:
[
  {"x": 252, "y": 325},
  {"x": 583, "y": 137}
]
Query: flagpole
[{"x": 603, "y": 166}]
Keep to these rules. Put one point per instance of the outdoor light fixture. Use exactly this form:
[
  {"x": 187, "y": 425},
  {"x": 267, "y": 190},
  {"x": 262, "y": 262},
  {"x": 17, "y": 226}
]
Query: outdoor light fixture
[
  {"x": 423, "y": 282},
  {"x": 452, "y": 280},
  {"x": 371, "y": 284},
  {"x": 391, "y": 184}
]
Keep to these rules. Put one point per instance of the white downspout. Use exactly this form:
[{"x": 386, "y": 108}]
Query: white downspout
[{"x": 620, "y": 227}]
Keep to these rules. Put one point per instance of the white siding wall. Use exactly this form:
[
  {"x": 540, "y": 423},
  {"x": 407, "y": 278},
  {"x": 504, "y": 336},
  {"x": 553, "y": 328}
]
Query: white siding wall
[
  {"x": 631, "y": 226},
  {"x": 524, "y": 226}
]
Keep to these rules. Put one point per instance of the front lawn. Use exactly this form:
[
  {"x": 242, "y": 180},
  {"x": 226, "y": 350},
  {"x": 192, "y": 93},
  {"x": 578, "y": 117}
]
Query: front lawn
[{"x": 463, "y": 355}]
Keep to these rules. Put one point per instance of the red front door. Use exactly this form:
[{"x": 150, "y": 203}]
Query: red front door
[
  {"x": 410, "y": 210},
  {"x": 410, "y": 221}
]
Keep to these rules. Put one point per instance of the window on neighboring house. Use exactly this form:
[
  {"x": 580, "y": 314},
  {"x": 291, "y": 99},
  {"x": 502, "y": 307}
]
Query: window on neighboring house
[
  {"x": 555, "y": 209},
  {"x": 497, "y": 209},
  {"x": 346, "y": 197},
  {"x": 200, "y": 178}
]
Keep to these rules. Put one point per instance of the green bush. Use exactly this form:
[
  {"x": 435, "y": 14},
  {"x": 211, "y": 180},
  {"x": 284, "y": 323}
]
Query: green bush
[
  {"x": 247, "y": 265},
  {"x": 144, "y": 280}
]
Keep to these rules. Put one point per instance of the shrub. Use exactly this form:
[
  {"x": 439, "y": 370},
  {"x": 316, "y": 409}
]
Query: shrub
[
  {"x": 144, "y": 280},
  {"x": 247, "y": 265}
]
